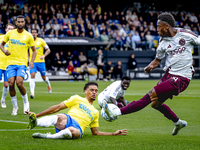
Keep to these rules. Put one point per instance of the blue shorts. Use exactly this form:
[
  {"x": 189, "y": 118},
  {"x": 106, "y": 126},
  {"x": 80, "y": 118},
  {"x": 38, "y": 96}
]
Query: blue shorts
[
  {"x": 16, "y": 70},
  {"x": 40, "y": 67},
  {"x": 72, "y": 123},
  {"x": 3, "y": 72}
]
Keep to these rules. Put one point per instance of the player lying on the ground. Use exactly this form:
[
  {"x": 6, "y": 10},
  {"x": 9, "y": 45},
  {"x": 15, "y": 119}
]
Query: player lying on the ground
[
  {"x": 115, "y": 92},
  {"x": 72, "y": 125},
  {"x": 177, "y": 45}
]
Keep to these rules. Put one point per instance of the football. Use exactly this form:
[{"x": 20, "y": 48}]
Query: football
[{"x": 105, "y": 116}]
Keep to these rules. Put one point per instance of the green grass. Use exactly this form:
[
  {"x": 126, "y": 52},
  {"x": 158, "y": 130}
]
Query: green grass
[{"x": 147, "y": 129}]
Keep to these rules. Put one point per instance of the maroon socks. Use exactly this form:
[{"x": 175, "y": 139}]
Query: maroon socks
[{"x": 136, "y": 105}]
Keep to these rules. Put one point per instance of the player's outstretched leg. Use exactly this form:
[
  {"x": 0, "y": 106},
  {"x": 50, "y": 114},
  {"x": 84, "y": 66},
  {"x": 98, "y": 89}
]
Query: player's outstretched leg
[
  {"x": 63, "y": 134},
  {"x": 178, "y": 125},
  {"x": 32, "y": 88}
]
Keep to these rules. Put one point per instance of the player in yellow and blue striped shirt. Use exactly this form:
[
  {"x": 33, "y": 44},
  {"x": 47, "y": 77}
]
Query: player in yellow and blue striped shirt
[
  {"x": 81, "y": 114},
  {"x": 39, "y": 63},
  {"x": 19, "y": 40},
  {"x": 3, "y": 66}
]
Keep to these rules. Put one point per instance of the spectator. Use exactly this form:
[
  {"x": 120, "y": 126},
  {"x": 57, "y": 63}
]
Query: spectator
[
  {"x": 150, "y": 39},
  {"x": 113, "y": 26},
  {"x": 99, "y": 59},
  {"x": 137, "y": 39},
  {"x": 60, "y": 20},
  {"x": 132, "y": 63},
  {"x": 58, "y": 62},
  {"x": 84, "y": 71},
  {"x": 63, "y": 60},
  {"x": 118, "y": 70},
  {"x": 49, "y": 25},
  {"x": 193, "y": 18},
  {"x": 66, "y": 19},
  {"x": 111, "y": 40},
  {"x": 56, "y": 25},
  {"x": 36, "y": 26},
  {"x": 108, "y": 71},
  {"x": 118, "y": 41},
  {"x": 143, "y": 41},
  {"x": 69, "y": 57},
  {"x": 104, "y": 37},
  {"x": 82, "y": 58},
  {"x": 130, "y": 41},
  {"x": 71, "y": 70},
  {"x": 62, "y": 32},
  {"x": 59, "y": 15}
]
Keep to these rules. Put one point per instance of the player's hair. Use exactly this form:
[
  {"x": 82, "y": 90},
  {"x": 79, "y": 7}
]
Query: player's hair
[
  {"x": 20, "y": 16},
  {"x": 34, "y": 29},
  {"x": 10, "y": 24},
  {"x": 88, "y": 84},
  {"x": 168, "y": 18},
  {"x": 126, "y": 78}
]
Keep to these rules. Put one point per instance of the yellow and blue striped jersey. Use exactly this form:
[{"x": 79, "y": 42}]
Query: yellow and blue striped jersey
[
  {"x": 39, "y": 45},
  {"x": 83, "y": 112},
  {"x": 18, "y": 46}
]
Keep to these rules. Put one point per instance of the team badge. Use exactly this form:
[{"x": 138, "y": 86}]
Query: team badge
[
  {"x": 24, "y": 37},
  {"x": 182, "y": 42}
]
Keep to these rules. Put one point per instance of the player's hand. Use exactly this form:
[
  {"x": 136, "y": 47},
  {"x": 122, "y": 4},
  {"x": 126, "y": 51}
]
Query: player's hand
[
  {"x": 42, "y": 57},
  {"x": 7, "y": 53},
  {"x": 148, "y": 68},
  {"x": 31, "y": 65},
  {"x": 121, "y": 132},
  {"x": 28, "y": 112}
]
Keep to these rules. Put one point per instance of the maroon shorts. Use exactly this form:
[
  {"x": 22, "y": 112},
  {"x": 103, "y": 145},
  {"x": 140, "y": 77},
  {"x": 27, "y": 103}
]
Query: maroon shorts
[{"x": 170, "y": 85}]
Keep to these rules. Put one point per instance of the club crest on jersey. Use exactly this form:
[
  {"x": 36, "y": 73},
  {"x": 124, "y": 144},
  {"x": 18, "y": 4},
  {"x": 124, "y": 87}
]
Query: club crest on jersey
[
  {"x": 182, "y": 42},
  {"x": 24, "y": 37}
]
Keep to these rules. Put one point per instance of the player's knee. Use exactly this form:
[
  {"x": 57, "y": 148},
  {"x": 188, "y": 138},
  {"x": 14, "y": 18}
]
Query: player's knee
[
  {"x": 155, "y": 104},
  {"x": 75, "y": 132},
  {"x": 6, "y": 84},
  {"x": 19, "y": 84}
]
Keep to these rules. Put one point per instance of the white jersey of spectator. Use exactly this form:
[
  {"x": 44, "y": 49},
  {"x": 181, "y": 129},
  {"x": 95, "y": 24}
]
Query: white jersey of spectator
[
  {"x": 178, "y": 51},
  {"x": 114, "y": 90}
]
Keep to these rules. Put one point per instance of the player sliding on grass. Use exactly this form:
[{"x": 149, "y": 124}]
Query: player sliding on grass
[
  {"x": 115, "y": 92},
  {"x": 72, "y": 125},
  {"x": 177, "y": 45}
]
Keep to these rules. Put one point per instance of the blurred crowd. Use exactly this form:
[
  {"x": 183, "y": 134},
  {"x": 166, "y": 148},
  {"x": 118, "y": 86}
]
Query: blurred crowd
[{"x": 122, "y": 30}]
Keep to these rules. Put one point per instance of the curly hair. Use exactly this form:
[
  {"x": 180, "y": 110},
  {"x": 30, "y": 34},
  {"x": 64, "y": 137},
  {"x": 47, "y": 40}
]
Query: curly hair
[{"x": 168, "y": 18}]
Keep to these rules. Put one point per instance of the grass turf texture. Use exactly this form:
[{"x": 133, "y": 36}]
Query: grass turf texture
[{"x": 147, "y": 129}]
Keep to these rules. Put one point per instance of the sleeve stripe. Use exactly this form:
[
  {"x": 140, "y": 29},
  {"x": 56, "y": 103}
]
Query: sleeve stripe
[{"x": 190, "y": 32}]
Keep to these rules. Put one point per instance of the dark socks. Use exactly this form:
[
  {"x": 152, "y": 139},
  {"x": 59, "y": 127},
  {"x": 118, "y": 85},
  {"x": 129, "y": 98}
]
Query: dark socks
[
  {"x": 168, "y": 113},
  {"x": 136, "y": 105}
]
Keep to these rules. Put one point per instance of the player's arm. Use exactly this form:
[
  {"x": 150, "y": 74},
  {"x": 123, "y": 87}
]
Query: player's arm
[
  {"x": 123, "y": 101},
  {"x": 50, "y": 110},
  {"x": 47, "y": 52},
  {"x": 33, "y": 56},
  {"x": 95, "y": 131},
  {"x": 113, "y": 100},
  {"x": 6, "y": 52},
  {"x": 152, "y": 65}
]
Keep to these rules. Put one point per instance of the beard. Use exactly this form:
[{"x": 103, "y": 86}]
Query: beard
[
  {"x": 92, "y": 99},
  {"x": 20, "y": 28}
]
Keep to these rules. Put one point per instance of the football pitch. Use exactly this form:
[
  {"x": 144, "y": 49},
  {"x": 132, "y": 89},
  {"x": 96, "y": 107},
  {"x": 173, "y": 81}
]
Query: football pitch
[{"x": 147, "y": 129}]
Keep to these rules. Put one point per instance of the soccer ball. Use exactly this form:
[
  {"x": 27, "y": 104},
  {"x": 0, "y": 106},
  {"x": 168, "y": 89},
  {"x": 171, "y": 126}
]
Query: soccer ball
[{"x": 105, "y": 116}]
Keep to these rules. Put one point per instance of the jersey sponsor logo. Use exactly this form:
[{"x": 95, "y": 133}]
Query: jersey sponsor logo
[
  {"x": 6, "y": 45},
  {"x": 182, "y": 42},
  {"x": 17, "y": 42},
  {"x": 86, "y": 110},
  {"x": 37, "y": 47},
  {"x": 177, "y": 51}
]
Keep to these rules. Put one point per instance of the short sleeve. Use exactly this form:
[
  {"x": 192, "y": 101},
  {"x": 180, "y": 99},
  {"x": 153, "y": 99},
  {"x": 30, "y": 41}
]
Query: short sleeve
[
  {"x": 160, "y": 52},
  {"x": 71, "y": 101},
  {"x": 6, "y": 37},
  {"x": 95, "y": 122},
  {"x": 31, "y": 41}
]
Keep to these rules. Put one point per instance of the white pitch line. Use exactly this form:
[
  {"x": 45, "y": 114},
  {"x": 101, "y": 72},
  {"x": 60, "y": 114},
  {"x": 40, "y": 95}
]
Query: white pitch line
[
  {"x": 24, "y": 129},
  {"x": 13, "y": 121}
]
